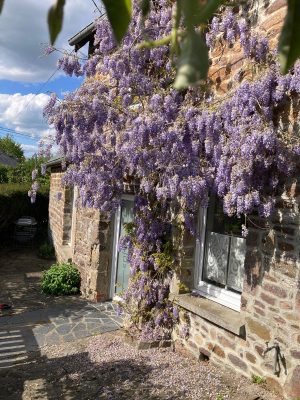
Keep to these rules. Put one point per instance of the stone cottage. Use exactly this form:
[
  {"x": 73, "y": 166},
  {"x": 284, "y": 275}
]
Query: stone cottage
[{"x": 240, "y": 306}]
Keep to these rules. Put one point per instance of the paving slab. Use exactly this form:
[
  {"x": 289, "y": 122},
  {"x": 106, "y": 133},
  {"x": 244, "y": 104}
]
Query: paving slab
[
  {"x": 32, "y": 330},
  {"x": 36, "y": 320}
]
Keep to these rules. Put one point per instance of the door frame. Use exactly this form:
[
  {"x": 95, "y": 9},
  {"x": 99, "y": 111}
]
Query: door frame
[{"x": 117, "y": 226}]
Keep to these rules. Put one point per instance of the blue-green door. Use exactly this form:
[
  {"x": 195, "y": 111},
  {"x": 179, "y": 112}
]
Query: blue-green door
[{"x": 122, "y": 265}]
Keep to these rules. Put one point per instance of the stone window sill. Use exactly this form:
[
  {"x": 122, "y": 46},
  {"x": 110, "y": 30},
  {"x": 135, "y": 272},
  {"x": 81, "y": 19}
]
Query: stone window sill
[{"x": 216, "y": 313}]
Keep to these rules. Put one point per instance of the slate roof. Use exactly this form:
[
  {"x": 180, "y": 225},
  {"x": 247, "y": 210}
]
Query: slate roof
[{"x": 7, "y": 160}]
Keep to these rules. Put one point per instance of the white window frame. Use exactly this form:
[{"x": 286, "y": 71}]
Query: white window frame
[
  {"x": 117, "y": 222},
  {"x": 222, "y": 296}
]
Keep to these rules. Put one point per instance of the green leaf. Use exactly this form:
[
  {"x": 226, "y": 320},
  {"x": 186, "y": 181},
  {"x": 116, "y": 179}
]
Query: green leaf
[
  {"x": 1, "y": 5},
  {"x": 196, "y": 14},
  {"x": 145, "y": 6},
  {"x": 193, "y": 61},
  {"x": 119, "y": 15},
  {"x": 192, "y": 11},
  {"x": 289, "y": 42},
  {"x": 55, "y": 19},
  {"x": 209, "y": 9}
]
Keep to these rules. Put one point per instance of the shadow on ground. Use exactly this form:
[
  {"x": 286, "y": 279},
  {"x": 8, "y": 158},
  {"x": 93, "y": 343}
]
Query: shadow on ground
[
  {"x": 62, "y": 378},
  {"x": 37, "y": 321},
  {"x": 20, "y": 274}
]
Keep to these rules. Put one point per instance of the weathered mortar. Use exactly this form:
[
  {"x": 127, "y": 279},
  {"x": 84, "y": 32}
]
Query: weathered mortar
[{"x": 270, "y": 308}]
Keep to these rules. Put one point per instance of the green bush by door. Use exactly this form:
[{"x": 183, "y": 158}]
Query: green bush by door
[{"x": 61, "y": 279}]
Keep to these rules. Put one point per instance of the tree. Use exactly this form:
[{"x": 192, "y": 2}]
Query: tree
[
  {"x": 23, "y": 172},
  {"x": 11, "y": 148}
]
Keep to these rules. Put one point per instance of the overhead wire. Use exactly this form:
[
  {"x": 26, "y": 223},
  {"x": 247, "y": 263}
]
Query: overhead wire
[
  {"x": 27, "y": 134},
  {"x": 37, "y": 93},
  {"x": 7, "y": 131}
]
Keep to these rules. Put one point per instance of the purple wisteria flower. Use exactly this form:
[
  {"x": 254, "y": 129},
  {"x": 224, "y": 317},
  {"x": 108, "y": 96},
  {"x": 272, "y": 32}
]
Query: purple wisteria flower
[
  {"x": 34, "y": 174},
  {"x": 244, "y": 231},
  {"x": 126, "y": 126},
  {"x": 43, "y": 169}
]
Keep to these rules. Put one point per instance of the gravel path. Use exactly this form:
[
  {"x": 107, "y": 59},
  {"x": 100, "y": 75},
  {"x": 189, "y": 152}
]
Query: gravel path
[{"x": 104, "y": 367}]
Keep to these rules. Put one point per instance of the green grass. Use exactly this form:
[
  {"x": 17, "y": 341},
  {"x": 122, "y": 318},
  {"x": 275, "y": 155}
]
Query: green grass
[{"x": 258, "y": 379}]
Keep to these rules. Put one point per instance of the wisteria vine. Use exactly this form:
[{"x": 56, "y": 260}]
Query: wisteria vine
[{"x": 126, "y": 121}]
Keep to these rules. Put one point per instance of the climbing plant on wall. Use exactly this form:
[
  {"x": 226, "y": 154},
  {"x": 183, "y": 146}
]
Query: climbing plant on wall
[{"x": 127, "y": 121}]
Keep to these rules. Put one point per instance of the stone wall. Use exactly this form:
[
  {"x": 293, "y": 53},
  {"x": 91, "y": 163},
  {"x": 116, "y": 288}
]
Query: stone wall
[
  {"x": 83, "y": 236},
  {"x": 270, "y": 305},
  {"x": 228, "y": 64},
  {"x": 59, "y": 215},
  {"x": 93, "y": 253}
]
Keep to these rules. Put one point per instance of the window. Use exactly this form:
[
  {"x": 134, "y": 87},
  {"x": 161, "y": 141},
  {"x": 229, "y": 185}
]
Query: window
[{"x": 220, "y": 256}]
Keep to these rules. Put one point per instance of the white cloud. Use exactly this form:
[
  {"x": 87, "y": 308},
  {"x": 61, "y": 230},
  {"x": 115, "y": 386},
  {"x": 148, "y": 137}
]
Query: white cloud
[
  {"x": 29, "y": 149},
  {"x": 24, "y": 114},
  {"x": 23, "y": 30}
]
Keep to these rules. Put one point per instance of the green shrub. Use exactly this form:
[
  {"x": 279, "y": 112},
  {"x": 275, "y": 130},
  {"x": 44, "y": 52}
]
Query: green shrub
[
  {"x": 61, "y": 279},
  {"x": 46, "y": 251},
  {"x": 3, "y": 174},
  {"x": 21, "y": 173}
]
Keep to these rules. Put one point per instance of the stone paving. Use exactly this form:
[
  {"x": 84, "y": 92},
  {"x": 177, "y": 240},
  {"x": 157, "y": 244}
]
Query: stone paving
[
  {"x": 30, "y": 331},
  {"x": 37, "y": 320}
]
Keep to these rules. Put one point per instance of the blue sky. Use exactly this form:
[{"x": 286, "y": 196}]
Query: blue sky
[{"x": 24, "y": 70}]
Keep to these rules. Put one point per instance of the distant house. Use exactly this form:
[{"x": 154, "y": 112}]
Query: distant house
[{"x": 7, "y": 160}]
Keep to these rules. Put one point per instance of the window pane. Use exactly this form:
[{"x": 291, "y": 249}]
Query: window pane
[
  {"x": 215, "y": 265},
  {"x": 236, "y": 263},
  {"x": 224, "y": 249},
  {"x": 122, "y": 263}
]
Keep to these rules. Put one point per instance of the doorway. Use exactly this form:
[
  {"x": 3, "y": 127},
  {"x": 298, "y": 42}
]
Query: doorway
[{"x": 120, "y": 264}]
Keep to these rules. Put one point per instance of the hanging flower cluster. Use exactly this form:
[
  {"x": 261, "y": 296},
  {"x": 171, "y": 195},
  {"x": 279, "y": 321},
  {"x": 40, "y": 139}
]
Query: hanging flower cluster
[
  {"x": 148, "y": 311},
  {"x": 232, "y": 30},
  {"x": 127, "y": 121},
  {"x": 33, "y": 191}
]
